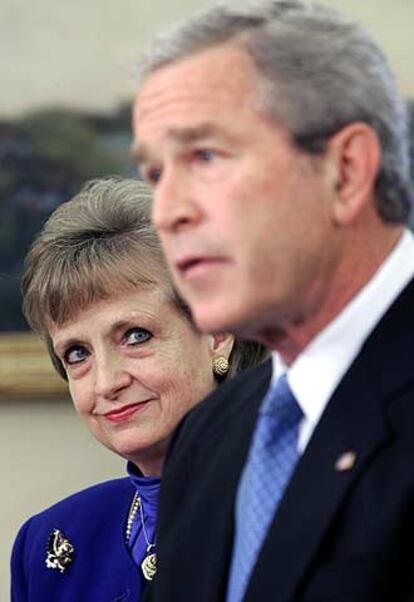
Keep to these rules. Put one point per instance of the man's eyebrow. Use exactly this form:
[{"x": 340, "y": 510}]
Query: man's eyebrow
[
  {"x": 186, "y": 135},
  {"x": 191, "y": 134},
  {"x": 138, "y": 153}
]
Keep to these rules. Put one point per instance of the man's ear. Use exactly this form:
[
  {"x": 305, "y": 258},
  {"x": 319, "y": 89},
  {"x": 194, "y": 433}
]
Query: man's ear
[{"x": 354, "y": 154}]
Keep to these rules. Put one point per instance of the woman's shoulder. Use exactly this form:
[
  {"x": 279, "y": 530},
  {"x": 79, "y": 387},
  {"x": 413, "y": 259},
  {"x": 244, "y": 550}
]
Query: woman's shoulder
[
  {"x": 93, "y": 501},
  {"x": 72, "y": 532}
]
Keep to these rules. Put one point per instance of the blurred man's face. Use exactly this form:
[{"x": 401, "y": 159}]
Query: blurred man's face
[{"x": 244, "y": 216}]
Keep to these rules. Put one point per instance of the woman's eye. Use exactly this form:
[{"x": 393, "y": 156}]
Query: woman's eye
[
  {"x": 136, "y": 336},
  {"x": 75, "y": 355}
]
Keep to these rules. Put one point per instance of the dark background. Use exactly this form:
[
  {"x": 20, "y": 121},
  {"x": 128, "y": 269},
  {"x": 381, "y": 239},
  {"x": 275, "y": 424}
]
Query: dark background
[{"x": 45, "y": 156}]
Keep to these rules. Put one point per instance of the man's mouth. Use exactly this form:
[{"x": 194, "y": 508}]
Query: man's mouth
[
  {"x": 187, "y": 264},
  {"x": 196, "y": 266}
]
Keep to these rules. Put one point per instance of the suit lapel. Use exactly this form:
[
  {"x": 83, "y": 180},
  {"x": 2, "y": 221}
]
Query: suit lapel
[
  {"x": 320, "y": 487},
  {"x": 222, "y": 488},
  {"x": 355, "y": 421},
  {"x": 199, "y": 487}
]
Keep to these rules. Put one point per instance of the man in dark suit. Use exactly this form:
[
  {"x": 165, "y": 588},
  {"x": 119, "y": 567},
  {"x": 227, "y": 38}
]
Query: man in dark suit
[{"x": 276, "y": 143}]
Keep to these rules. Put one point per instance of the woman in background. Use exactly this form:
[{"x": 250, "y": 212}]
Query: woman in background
[{"x": 96, "y": 287}]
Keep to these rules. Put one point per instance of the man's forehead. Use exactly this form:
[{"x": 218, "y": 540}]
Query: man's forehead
[
  {"x": 229, "y": 63},
  {"x": 185, "y": 101}
]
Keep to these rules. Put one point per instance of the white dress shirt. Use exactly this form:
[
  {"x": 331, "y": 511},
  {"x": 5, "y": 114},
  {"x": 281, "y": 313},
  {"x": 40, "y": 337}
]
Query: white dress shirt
[{"x": 317, "y": 371}]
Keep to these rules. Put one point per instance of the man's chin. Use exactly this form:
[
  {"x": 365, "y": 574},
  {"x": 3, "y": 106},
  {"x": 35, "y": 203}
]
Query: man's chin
[
  {"x": 209, "y": 320},
  {"x": 212, "y": 318}
]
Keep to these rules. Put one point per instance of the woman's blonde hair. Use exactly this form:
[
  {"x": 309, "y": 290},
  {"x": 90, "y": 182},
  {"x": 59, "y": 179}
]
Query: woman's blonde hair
[{"x": 99, "y": 244}]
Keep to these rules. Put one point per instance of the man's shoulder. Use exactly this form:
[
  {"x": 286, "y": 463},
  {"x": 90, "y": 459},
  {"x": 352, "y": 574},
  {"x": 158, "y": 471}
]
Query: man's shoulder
[
  {"x": 209, "y": 446},
  {"x": 233, "y": 393},
  {"x": 236, "y": 398}
]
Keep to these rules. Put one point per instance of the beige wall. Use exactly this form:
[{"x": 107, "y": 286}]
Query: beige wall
[
  {"x": 45, "y": 454},
  {"x": 47, "y": 42}
]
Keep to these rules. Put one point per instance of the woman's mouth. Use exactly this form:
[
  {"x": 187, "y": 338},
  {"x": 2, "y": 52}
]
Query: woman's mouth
[{"x": 126, "y": 412}]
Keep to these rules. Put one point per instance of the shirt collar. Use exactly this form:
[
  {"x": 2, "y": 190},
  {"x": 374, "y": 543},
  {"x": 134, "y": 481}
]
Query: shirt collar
[
  {"x": 146, "y": 487},
  {"x": 317, "y": 371}
]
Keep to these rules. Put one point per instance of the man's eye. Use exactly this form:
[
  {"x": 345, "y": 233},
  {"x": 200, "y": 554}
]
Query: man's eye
[
  {"x": 75, "y": 355},
  {"x": 153, "y": 176},
  {"x": 205, "y": 154},
  {"x": 137, "y": 336}
]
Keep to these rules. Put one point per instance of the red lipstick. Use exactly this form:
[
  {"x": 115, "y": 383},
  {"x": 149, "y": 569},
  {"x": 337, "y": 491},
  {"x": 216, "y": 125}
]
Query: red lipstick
[{"x": 125, "y": 413}]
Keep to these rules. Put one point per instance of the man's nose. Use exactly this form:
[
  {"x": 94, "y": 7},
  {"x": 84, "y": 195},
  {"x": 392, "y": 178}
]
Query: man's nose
[{"x": 174, "y": 204}]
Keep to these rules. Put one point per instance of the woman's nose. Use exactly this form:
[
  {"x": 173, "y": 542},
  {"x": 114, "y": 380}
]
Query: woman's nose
[{"x": 110, "y": 378}]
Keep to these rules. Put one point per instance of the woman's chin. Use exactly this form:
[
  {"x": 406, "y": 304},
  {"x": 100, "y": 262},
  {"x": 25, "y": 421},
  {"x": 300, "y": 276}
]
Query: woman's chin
[{"x": 148, "y": 456}]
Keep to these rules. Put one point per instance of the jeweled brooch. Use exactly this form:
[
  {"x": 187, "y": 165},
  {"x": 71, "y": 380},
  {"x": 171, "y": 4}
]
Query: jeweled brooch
[{"x": 59, "y": 551}]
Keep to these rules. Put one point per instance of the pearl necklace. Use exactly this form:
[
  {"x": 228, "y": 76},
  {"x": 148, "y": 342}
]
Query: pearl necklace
[{"x": 131, "y": 516}]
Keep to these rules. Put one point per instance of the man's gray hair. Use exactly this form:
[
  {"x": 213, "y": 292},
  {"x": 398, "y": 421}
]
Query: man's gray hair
[{"x": 318, "y": 71}]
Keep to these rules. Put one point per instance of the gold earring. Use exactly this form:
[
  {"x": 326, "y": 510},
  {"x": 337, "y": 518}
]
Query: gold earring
[{"x": 220, "y": 365}]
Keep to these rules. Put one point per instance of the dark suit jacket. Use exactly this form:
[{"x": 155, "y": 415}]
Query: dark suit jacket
[
  {"x": 338, "y": 535},
  {"x": 102, "y": 569}
]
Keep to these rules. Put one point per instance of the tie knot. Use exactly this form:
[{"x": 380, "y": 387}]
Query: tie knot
[{"x": 281, "y": 403}]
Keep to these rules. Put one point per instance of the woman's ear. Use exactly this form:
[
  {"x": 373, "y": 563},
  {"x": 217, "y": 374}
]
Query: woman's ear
[
  {"x": 222, "y": 344},
  {"x": 355, "y": 152}
]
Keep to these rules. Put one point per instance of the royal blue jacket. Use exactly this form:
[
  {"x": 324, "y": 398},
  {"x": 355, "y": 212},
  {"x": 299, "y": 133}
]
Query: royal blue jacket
[{"x": 91, "y": 526}]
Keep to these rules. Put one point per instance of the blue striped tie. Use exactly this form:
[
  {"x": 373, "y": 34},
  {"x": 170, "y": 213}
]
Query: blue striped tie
[{"x": 272, "y": 458}]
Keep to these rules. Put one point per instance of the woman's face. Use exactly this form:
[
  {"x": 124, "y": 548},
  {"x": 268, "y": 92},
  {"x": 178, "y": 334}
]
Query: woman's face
[{"x": 135, "y": 366}]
